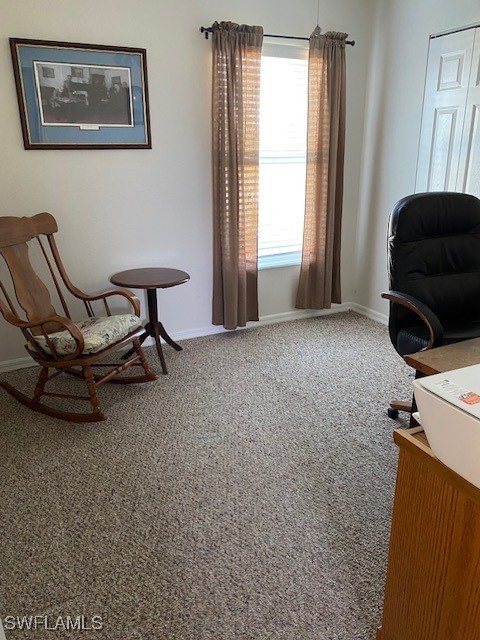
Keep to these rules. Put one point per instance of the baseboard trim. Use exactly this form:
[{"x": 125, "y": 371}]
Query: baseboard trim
[
  {"x": 369, "y": 313},
  {"x": 298, "y": 314},
  {"x": 17, "y": 363},
  {"x": 274, "y": 318}
]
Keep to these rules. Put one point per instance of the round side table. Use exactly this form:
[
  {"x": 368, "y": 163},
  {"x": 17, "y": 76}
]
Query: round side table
[{"x": 152, "y": 279}]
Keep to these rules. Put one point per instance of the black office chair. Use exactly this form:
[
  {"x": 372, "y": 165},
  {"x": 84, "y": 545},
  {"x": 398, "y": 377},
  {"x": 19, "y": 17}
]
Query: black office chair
[{"x": 434, "y": 273}]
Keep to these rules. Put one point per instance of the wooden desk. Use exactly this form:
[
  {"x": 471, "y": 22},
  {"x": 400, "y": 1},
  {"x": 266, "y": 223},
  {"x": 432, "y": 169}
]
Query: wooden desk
[
  {"x": 441, "y": 359},
  {"x": 433, "y": 578},
  {"x": 152, "y": 279}
]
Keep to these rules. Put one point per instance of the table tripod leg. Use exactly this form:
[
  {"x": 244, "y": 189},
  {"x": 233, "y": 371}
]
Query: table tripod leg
[
  {"x": 167, "y": 338},
  {"x": 153, "y": 325},
  {"x": 158, "y": 343}
]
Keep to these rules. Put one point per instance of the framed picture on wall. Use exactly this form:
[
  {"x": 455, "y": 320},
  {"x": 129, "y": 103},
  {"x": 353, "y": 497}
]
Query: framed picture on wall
[{"x": 81, "y": 96}]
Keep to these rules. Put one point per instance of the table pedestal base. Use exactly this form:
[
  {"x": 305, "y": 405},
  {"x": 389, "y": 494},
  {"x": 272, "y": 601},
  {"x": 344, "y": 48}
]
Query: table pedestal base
[{"x": 156, "y": 330}]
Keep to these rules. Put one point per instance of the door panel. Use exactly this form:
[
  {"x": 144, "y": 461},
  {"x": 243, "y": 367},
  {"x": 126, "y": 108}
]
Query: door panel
[
  {"x": 442, "y": 148},
  {"x": 469, "y": 165},
  {"x": 444, "y": 107}
]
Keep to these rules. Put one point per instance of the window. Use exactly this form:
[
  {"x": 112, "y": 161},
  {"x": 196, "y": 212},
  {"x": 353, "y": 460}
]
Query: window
[{"x": 283, "y": 145}]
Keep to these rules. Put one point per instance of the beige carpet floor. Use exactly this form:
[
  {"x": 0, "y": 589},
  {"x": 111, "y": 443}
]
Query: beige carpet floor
[{"x": 246, "y": 495}]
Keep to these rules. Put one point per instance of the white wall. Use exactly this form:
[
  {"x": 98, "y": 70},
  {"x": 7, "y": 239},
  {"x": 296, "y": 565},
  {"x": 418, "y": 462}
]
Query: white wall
[
  {"x": 394, "y": 110},
  {"x": 153, "y": 207}
]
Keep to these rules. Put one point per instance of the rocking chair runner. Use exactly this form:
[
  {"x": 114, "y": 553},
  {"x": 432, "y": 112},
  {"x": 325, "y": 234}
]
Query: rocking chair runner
[{"x": 53, "y": 340}]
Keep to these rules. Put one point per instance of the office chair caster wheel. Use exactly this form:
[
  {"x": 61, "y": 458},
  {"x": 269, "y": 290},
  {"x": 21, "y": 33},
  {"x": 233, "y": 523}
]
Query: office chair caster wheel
[{"x": 392, "y": 413}]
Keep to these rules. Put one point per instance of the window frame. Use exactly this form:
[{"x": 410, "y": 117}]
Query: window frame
[{"x": 295, "y": 50}]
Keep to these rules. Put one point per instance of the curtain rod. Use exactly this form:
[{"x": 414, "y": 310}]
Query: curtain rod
[{"x": 207, "y": 30}]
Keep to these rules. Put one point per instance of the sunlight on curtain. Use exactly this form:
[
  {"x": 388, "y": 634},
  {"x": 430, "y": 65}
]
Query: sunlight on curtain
[
  {"x": 319, "y": 283},
  {"x": 235, "y": 149}
]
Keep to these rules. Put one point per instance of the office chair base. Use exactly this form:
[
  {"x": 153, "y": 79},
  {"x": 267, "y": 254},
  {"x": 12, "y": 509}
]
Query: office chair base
[{"x": 396, "y": 406}]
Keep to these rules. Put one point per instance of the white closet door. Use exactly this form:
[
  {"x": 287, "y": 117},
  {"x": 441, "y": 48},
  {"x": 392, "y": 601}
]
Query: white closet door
[
  {"x": 446, "y": 90},
  {"x": 469, "y": 167}
]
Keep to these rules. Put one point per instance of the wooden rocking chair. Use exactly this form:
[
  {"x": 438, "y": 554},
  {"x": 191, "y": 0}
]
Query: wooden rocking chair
[{"x": 53, "y": 340}]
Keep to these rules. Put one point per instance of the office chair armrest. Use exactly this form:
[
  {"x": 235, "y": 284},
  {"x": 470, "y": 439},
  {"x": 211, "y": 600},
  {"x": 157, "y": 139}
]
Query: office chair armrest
[{"x": 427, "y": 316}]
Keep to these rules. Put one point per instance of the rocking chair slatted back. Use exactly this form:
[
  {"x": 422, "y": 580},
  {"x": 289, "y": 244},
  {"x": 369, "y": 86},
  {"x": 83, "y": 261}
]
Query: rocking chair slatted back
[
  {"x": 66, "y": 280},
  {"x": 54, "y": 277},
  {"x": 19, "y": 230},
  {"x": 31, "y": 293}
]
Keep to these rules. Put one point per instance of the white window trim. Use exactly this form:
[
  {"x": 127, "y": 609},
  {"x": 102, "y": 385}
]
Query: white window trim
[{"x": 290, "y": 259}]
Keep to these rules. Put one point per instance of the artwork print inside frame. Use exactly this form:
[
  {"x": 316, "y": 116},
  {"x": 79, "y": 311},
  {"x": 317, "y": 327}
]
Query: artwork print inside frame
[
  {"x": 79, "y": 96},
  {"x": 101, "y": 96}
]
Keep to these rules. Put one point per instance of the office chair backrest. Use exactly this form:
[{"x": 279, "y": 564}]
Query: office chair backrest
[{"x": 434, "y": 255}]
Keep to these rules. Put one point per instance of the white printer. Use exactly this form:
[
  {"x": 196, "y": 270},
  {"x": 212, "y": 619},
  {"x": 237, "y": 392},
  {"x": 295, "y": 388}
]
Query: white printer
[{"x": 449, "y": 407}]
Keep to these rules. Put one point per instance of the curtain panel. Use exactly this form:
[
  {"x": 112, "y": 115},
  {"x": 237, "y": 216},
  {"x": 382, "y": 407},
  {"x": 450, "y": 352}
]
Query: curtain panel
[
  {"x": 235, "y": 155},
  {"x": 319, "y": 283}
]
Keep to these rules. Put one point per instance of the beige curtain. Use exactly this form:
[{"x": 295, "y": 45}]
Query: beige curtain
[
  {"x": 319, "y": 283},
  {"x": 235, "y": 145}
]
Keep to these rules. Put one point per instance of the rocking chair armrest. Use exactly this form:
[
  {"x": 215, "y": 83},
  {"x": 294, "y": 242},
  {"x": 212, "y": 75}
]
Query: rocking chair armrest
[
  {"x": 134, "y": 301},
  {"x": 427, "y": 316},
  {"x": 22, "y": 324},
  {"x": 66, "y": 324}
]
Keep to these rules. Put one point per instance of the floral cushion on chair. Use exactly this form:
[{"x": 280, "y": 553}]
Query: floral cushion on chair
[{"x": 98, "y": 333}]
